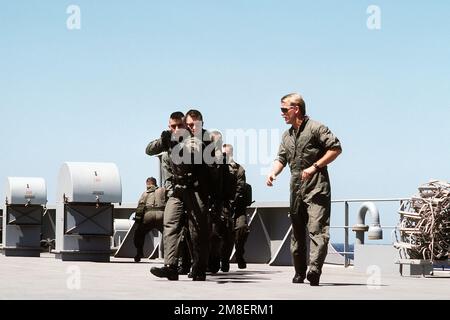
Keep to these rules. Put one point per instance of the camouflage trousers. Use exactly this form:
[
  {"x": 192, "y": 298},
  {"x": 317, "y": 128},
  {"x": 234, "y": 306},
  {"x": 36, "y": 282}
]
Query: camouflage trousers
[{"x": 195, "y": 205}]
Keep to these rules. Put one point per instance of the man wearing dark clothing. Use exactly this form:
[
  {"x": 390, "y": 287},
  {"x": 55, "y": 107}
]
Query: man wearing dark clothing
[
  {"x": 193, "y": 185},
  {"x": 234, "y": 211}
]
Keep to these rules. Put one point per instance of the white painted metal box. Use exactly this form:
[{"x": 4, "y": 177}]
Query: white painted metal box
[
  {"x": 89, "y": 182},
  {"x": 26, "y": 190}
]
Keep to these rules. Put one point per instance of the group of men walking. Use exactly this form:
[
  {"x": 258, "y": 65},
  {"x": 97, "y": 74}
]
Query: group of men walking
[
  {"x": 204, "y": 216},
  {"x": 206, "y": 194}
]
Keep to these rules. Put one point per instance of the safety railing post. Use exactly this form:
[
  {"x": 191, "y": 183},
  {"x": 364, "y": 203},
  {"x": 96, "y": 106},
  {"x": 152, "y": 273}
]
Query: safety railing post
[{"x": 346, "y": 260}]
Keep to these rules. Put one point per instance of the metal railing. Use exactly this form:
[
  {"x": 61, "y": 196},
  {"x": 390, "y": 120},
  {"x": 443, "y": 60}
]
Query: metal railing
[{"x": 346, "y": 226}]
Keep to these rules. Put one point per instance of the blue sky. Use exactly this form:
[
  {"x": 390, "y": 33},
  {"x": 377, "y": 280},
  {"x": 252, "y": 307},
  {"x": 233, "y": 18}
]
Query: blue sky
[{"x": 103, "y": 92}]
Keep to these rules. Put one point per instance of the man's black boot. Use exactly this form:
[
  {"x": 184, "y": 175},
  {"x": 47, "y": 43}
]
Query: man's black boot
[
  {"x": 199, "y": 277},
  {"x": 183, "y": 270},
  {"x": 313, "y": 278},
  {"x": 214, "y": 264},
  {"x": 169, "y": 272},
  {"x": 241, "y": 262},
  {"x": 138, "y": 256},
  {"x": 298, "y": 278},
  {"x": 225, "y": 266}
]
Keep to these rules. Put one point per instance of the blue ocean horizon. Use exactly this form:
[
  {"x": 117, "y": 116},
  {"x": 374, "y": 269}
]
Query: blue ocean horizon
[{"x": 340, "y": 248}]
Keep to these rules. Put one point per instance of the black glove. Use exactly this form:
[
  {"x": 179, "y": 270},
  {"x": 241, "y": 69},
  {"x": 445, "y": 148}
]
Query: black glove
[{"x": 166, "y": 137}]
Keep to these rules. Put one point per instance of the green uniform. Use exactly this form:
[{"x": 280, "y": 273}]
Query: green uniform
[
  {"x": 183, "y": 253},
  {"x": 167, "y": 175},
  {"x": 310, "y": 200},
  {"x": 234, "y": 212},
  {"x": 150, "y": 215},
  {"x": 192, "y": 186}
]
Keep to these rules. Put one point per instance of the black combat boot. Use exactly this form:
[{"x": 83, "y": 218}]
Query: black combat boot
[
  {"x": 214, "y": 264},
  {"x": 313, "y": 278},
  {"x": 139, "y": 255},
  {"x": 241, "y": 262},
  {"x": 225, "y": 267},
  {"x": 183, "y": 270},
  {"x": 298, "y": 278},
  {"x": 300, "y": 269},
  {"x": 169, "y": 272},
  {"x": 199, "y": 277}
]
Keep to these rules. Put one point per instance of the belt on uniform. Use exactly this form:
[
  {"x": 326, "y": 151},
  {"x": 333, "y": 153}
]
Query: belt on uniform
[
  {"x": 185, "y": 181},
  {"x": 154, "y": 208}
]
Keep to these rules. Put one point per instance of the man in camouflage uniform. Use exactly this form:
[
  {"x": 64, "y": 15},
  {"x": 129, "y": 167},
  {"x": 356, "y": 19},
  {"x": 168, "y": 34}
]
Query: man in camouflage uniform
[
  {"x": 235, "y": 230},
  {"x": 183, "y": 248},
  {"x": 307, "y": 147},
  {"x": 172, "y": 218},
  {"x": 149, "y": 215},
  {"x": 192, "y": 188}
]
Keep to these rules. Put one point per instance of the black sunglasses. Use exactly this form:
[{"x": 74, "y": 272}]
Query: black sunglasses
[{"x": 285, "y": 110}]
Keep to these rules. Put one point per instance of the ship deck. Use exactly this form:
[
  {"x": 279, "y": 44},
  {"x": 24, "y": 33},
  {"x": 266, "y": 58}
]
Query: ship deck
[{"x": 47, "y": 278}]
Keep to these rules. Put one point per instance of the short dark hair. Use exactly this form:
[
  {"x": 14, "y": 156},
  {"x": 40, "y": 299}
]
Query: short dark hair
[
  {"x": 195, "y": 114},
  {"x": 152, "y": 180},
  {"x": 177, "y": 115}
]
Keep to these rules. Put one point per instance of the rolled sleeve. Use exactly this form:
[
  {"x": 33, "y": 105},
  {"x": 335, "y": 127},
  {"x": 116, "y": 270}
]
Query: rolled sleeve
[
  {"x": 282, "y": 155},
  {"x": 328, "y": 139}
]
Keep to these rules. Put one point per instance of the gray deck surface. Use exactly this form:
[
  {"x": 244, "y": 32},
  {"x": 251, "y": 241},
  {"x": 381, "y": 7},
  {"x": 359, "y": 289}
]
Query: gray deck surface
[{"x": 49, "y": 278}]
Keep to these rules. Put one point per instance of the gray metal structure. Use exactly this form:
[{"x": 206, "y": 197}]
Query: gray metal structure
[
  {"x": 23, "y": 211},
  {"x": 375, "y": 231},
  {"x": 270, "y": 236},
  {"x": 84, "y": 210},
  {"x": 126, "y": 248}
]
